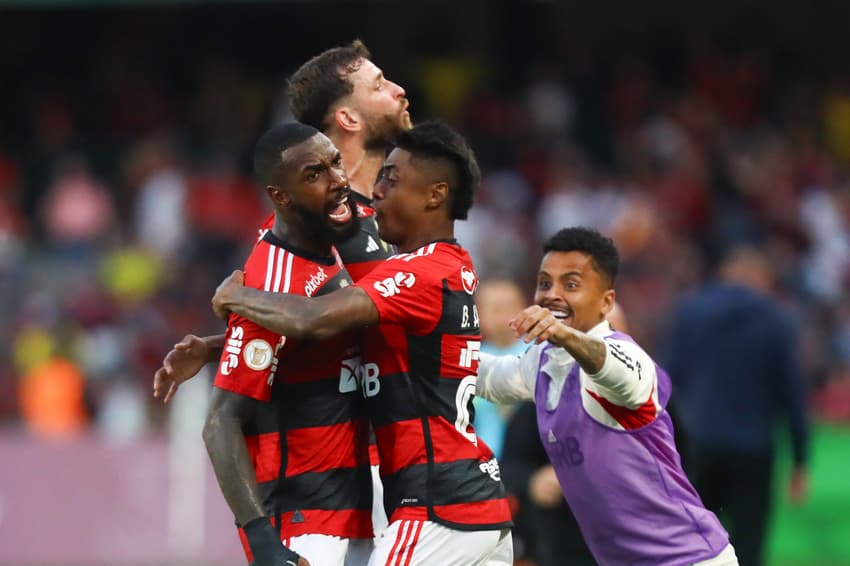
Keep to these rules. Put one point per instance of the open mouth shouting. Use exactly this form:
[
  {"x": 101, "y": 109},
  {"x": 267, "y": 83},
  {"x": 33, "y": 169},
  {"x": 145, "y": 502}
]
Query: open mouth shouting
[{"x": 339, "y": 211}]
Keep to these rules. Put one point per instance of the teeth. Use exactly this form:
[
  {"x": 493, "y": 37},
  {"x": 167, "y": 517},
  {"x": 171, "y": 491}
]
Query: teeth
[
  {"x": 560, "y": 315},
  {"x": 341, "y": 213}
]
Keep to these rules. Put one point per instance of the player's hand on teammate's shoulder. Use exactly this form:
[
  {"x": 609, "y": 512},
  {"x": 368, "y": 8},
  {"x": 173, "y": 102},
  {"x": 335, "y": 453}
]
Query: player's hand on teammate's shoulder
[
  {"x": 180, "y": 364},
  {"x": 223, "y": 294}
]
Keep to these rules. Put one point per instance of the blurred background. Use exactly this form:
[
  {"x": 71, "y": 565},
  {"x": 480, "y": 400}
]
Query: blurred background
[{"x": 126, "y": 129}]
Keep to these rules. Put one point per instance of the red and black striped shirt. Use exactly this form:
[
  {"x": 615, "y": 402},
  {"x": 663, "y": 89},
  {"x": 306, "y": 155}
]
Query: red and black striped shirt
[
  {"x": 309, "y": 442},
  {"x": 419, "y": 373}
]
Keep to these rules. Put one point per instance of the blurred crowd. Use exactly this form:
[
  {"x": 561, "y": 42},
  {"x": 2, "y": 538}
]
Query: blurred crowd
[{"x": 119, "y": 216}]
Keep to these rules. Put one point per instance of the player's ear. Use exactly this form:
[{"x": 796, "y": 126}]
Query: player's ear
[
  {"x": 279, "y": 196},
  {"x": 608, "y": 300},
  {"x": 438, "y": 193},
  {"x": 347, "y": 119}
]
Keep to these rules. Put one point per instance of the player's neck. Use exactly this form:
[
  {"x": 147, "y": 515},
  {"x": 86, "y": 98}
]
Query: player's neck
[
  {"x": 426, "y": 235},
  {"x": 362, "y": 166},
  {"x": 290, "y": 232}
]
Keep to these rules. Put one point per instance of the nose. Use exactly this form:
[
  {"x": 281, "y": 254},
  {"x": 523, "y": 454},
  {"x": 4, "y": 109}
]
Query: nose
[
  {"x": 399, "y": 91},
  {"x": 338, "y": 176}
]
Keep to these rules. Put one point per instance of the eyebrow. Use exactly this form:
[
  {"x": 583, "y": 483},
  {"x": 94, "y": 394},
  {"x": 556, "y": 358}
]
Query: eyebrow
[
  {"x": 567, "y": 274},
  {"x": 314, "y": 167},
  {"x": 319, "y": 166}
]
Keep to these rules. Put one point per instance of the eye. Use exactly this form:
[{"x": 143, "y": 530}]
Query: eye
[
  {"x": 544, "y": 285},
  {"x": 572, "y": 285},
  {"x": 312, "y": 176}
]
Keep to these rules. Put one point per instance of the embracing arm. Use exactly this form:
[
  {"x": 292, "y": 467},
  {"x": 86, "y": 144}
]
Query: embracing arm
[
  {"x": 294, "y": 315},
  {"x": 184, "y": 361}
]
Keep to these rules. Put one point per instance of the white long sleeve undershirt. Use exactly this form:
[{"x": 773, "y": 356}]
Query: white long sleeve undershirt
[{"x": 627, "y": 378}]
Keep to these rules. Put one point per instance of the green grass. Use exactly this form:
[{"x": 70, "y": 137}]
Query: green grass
[{"x": 816, "y": 533}]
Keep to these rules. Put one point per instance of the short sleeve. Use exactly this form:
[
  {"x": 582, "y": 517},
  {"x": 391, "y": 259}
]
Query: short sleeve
[
  {"x": 407, "y": 293},
  {"x": 248, "y": 359}
]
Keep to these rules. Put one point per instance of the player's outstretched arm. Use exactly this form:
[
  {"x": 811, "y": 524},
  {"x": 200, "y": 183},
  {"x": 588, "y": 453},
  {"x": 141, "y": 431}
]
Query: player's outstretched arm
[
  {"x": 183, "y": 362},
  {"x": 537, "y": 324},
  {"x": 231, "y": 462},
  {"x": 294, "y": 315}
]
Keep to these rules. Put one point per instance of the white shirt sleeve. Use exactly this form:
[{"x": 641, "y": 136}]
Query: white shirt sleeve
[
  {"x": 628, "y": 376},
  {"x": 507, "y": 379}
]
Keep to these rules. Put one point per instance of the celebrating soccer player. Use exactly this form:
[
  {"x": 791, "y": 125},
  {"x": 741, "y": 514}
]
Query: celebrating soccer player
[
  {"x": 286, "y": 429},
  {"x": 443, "y": 492},
  {"x": 601, "y": 415}
]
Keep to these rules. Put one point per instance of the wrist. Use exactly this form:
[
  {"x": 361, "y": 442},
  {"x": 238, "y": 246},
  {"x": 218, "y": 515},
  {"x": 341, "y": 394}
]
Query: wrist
[
  {"x": 213, "y": 346},
  {"x": 265, "y": 544}
]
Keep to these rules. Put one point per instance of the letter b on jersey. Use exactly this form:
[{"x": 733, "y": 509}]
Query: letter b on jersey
[{"x": 368, "y": 374}]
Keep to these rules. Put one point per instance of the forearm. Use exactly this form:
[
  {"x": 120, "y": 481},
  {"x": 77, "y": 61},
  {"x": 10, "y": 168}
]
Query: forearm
[
  {"x": 286, "y": 314},
  {"x": 232, "y": 465},
  {"x": 500, "y": 379},
  {"x": 589, "y": 352},
  {"x": 623, "y": 372}
]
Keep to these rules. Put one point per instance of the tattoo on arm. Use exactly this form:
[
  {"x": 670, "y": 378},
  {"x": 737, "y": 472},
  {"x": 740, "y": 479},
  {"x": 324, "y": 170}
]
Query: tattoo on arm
[
  {"x": 589, "y": 352},
  {"x": 229, "y": 453},
  {"x": 303, "y": 317}
]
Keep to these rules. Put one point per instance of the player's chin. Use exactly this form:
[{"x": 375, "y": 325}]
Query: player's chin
[{"x": 343, "y": 231}]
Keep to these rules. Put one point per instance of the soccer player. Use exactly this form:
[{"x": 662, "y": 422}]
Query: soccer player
[
  {"x": 601, "y": 415},
  {"x": 286, "y": 429},
  {"x": 443, "y": 493},
  {"x": 345, "y": 95}
]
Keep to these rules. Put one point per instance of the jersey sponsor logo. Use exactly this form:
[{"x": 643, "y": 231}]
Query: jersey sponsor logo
[
  {"x": 232, "y": 349},
  {"x": 367, "y": 375},
  {"x": 258, "y": 354},
  {"x": 261, "y": 234},
  {"x": 348, "y": 374},
  {"x": 567, "y": 451},
  {"x": 312, "y": 285},
  {"x": 491, "y": 468},
  {"x": 372, "y": 245},
  {"x": 470, "y": 353},
  {"x": 469, "y": 279},
  {"x": 392, "y": 286}
]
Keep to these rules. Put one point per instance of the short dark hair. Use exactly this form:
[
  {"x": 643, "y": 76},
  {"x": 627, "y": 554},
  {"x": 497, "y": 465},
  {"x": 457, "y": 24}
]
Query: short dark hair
[
  {"x": 320, "y": 82},
  {"x": 603, "y": 252},
  {"x": 270, "y": 146},
  {"x": 437, "y": 141}
]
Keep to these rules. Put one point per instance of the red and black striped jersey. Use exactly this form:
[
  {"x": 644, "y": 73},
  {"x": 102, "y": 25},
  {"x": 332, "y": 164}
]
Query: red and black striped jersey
[
  {"x": 419, "y": 373},
  {"x": 363, "y": 251},
  {"x": 309, "y": 440}
]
